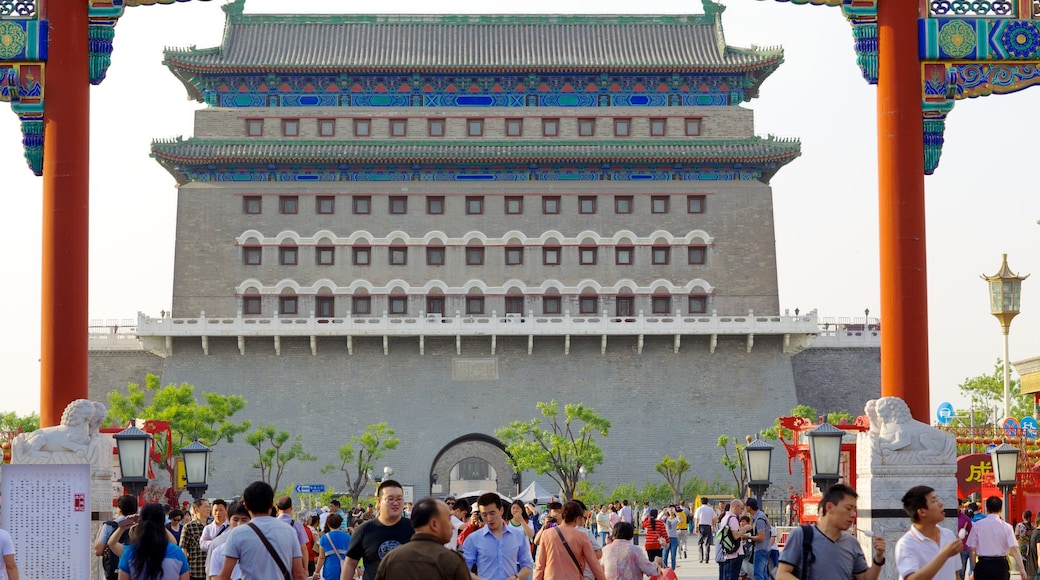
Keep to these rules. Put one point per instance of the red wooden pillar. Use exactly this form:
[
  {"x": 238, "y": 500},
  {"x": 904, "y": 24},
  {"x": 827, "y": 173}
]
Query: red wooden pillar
[
  {"x": 66, "y": 158},
  {"x": 904, "y": 288}
]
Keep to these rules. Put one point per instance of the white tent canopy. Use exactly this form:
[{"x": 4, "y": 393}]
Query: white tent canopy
[
  {"x": 535, "y": 493},
  {"x": 473, "y": 495}
]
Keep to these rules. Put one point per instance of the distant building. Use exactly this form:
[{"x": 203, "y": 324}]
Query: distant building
[{"x": 437, "y": 221}]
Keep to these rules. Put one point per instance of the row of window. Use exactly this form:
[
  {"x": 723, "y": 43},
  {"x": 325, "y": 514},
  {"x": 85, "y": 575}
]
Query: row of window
[
  {"x": 475, "y": 127},
  {"x": 325, "y": 306},
  {"x": 435, "y": 255},
  {"x": 474, "y": 204}
]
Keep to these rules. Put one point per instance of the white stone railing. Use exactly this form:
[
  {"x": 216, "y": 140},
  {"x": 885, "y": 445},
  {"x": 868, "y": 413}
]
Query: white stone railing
[
  {"x": 848, "y": 332},
  {"x": 501, "y": 325}
]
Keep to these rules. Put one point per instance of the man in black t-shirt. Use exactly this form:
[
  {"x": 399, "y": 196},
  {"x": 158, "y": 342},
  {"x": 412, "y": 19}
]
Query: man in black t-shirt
[{"x": 377, "y": 537}]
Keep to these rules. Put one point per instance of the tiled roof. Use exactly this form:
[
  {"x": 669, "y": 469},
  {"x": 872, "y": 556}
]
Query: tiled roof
[
  {"x": 478, "y": 43},
  {"x": 206, "y": 151}
]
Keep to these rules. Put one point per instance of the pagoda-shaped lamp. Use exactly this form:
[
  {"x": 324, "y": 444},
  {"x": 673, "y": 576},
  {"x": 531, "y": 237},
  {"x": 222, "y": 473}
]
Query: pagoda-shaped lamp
[{"x": 1005, "y": 295}]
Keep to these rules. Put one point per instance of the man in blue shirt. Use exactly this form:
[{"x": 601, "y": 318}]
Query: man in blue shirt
[{"x": 500, "y": 551}]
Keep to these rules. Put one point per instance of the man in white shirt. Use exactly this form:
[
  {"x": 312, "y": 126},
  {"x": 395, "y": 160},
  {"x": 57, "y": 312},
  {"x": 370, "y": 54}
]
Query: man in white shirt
[
  {"x": 927, "y": 550},
  {"x": 704, "y": 518},
  {"x": 215, "y": 529},
  {"x": 245, "y": 547},
  {"x": 990, "y": 541}
]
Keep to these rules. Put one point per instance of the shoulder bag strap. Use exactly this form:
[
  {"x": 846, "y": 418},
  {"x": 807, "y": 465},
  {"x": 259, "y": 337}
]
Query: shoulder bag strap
[
  {"x": 807, "y": 554},
  {"x": 270, "y": 548},
  {"x": 569, "y": 552},
  {"x": 332, "y": 542}
]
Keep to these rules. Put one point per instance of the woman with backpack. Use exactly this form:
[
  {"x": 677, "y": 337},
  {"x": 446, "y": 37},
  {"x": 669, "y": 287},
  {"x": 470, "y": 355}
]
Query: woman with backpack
[{"x": 150, "y": 555}]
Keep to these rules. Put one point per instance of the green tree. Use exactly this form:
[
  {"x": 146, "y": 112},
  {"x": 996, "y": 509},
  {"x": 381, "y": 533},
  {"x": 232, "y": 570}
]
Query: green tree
[
  {"x": 696, "y": 486},
  {"x": 672, "y": 470},
  {"x": 360, "y": 454},
  {"x": 624, "y": 491},
  {"x": 272, "y": 455},
  {"x": 11, "y": 422},
  {"x": 986, "y": 393},
  {"x": 210, "y": 421},
  {"x": 561, "y": 450},
  {"x": 655, "y": 493},
  {"x": 734, "y": 463},
  {"x": 806, "y": 412},
  {"x": 591, "y": 494}
]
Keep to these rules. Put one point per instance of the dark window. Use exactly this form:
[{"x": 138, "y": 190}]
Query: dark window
[
  {"x": 514, "y": 304},
  {"x": 398, "y": 305},
  {"x": 660, "y": 255},
  {"x": 435, "y": 305},
  {"x": 325, "y": 306},
  {"x": 658, "y": 127},
  {"x": 436, "y": 127},
  {"x": 551, "y": 204},
  {"x": 435, "y": 256},
  {"x": 398, "y": 255},
  {"x": 475, "y": 127},
  {"x": 326, "y": 204},
  {"x": 698, "y": 304},
  {"x": 252, "y": 255},
  {"x": 514, "y": 205},
  {"x": 693, "y": 127},
  {"x": 474, "y": 205},
  {"x": 289, "y": 204},
  {"x": 661, "y": 304},
  {"x": 252, "y": 204},
  {"x": 695, "y": 203},
  {"x": 326, "y": 128},
  {"x": 398, "y": 127},
  {"x": 288, "y": 305},
  {"x": 586, "y": 127},
  {"x": 288, "y": 256},
  {"x": 435, "y": 205},
  {"x": 696, "y": 255},
  {"x": 550, "y": 127},
  {"x": 551, "y": 305},
  {"x": 514, "y": 127},
  {"x": 659, "y": 204},
  {"x": 362, "y": 305},
  {"x": 362, "y": 127},
  {"x": 326, "y": 255},
  {"x": 290, "y": 127},
  {"x": 254, "y": 127},
  {"x": 623, "y": 204},
  {"x": 588, "y": 304},
  {"x": 624, "y": 306},
  {"x": 625, "y": 255},
  {"x": 474, "y": 256},
  {"x": 551, "y": 256},
  {"x": 514, "y": 255},
  {"x": 622, "y": 127},
  {"x": 398, "y": 204},
  {"x": 474, "y": 305},
  {"x": 362, "y": 204},
  {"x": 587, "y": 204},
  {"x": 362, "y": 256},
  {"x": 587, "y": 255},
  {"x": 251, "y": 305}
]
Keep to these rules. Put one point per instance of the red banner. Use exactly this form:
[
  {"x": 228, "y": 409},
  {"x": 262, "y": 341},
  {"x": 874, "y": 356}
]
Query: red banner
[{"x": 972, "y": 470}]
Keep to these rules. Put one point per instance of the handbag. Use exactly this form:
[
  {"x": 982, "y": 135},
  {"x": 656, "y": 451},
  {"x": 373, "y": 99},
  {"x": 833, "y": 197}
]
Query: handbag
[
  {"x": 666, "y": 574},
  {"x": 270, "y": 548}
]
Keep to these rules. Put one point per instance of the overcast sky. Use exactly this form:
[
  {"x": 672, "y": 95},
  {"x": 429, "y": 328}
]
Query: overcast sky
[{"x": 982, "y": 201}]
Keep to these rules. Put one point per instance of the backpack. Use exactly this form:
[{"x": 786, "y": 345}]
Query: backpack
[
  {"x": 724, "y": 538},
  {"x": 805, "y": 569},
  {"x": 111, "y": 561}
]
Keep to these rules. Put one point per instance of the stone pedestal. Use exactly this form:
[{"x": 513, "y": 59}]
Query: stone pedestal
[{"x": 898, "y": 453}]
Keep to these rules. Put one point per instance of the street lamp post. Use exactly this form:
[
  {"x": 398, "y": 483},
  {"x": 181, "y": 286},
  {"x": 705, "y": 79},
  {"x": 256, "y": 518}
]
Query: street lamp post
[
  {"x": 759, "y": 456},
  {"x": 196, "y": 468},
  {"x": 1005, "y": 472},
  {"x": 825, "y": 451},
  {"x": 1005, "y": 294},
  {"x": 133, "y": 446}
]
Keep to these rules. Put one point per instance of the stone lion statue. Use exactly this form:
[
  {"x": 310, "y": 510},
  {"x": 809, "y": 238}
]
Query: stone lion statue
[
  {"x": 900, "y": 439},
  {"x": 69, "y": 442}
]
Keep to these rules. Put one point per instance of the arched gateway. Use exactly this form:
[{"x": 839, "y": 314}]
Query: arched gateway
[{"x": 487, "y": 451}]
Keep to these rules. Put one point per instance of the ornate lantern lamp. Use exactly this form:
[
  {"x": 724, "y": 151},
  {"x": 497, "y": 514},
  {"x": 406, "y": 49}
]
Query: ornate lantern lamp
[
  {"x": 1005, "y": 296},
  {"x": 196, "y": 468},
  {"x": 825, "y": 450},
  {"x": 1005, "y": 472},
  {"x": 759, "y": 455},
  {"x": 133, "y": 446}
]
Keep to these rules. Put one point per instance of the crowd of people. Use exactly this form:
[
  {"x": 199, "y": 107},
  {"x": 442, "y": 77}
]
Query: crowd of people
[{"x": 257, "y": 536}]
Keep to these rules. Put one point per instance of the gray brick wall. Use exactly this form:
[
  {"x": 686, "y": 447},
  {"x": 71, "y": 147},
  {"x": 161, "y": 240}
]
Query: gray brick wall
[{"x": 837, "y": 379}]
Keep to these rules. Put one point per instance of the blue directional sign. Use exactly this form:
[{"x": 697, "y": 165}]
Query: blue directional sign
[
  {"x": 1010, "y": 425},
  {"x": 944, "y": 413},
  {"x": 1030, "y": 427},
  {"x": 311, "y": 488}
]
